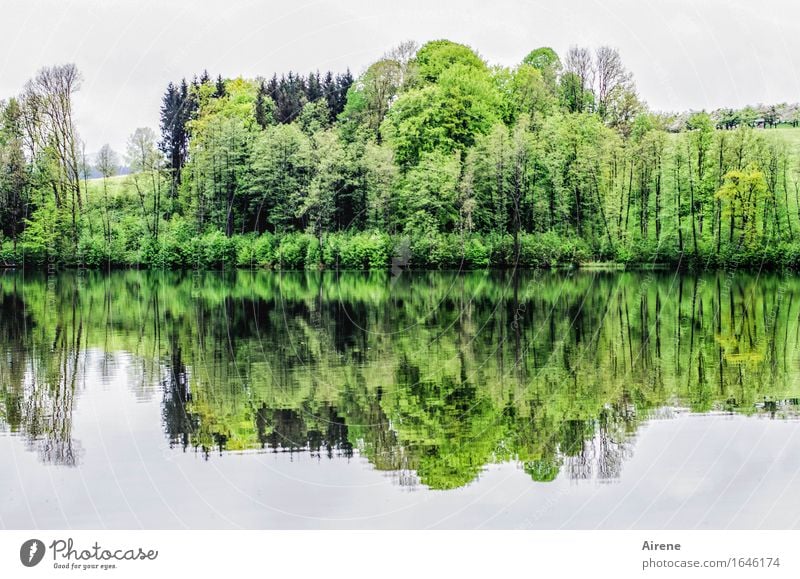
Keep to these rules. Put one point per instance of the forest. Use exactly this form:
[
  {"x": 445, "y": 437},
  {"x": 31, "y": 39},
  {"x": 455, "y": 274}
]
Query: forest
[{"x": 432, "y": 157}]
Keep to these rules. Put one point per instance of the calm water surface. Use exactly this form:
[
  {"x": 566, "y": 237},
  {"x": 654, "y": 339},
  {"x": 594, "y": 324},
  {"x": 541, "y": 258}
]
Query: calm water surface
[{"x": 443, "y": 400}]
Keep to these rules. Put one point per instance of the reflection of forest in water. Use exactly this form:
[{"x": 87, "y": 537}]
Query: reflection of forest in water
[{"x": 433, "y": 375}]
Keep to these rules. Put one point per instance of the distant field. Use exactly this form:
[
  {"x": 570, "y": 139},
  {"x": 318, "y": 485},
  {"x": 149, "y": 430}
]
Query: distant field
[
  {"x": 115, "y": 185},
  {"x": 121, "y": 194},
  {"x": 123, "y": 202},
  {"x": 789, "y": 135}
]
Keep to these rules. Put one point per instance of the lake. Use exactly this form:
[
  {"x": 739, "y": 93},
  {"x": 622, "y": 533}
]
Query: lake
[{"x": 572, "y": 399}]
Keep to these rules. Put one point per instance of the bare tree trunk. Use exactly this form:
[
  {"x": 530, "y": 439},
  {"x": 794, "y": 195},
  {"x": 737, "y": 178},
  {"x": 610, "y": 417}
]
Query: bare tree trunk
[
  {"x": 691, "y": 204},
  {"x": 678, "y": 205}
]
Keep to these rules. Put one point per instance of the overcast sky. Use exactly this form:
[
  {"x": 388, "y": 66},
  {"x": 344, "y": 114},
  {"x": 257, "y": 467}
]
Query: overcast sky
[{"x": 684, "y": 54}]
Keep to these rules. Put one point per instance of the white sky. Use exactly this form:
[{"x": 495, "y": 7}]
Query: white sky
[{"x": 685, "y": 54}]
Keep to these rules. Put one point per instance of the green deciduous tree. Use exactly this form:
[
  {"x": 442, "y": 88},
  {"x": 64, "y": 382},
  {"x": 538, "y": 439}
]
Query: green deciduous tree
[
  {"x": 107, "y": 163},
  {"x": 443, "y": 117},
  {"x": 743, "y": 191},
  {"x": 282, "y": 169}
]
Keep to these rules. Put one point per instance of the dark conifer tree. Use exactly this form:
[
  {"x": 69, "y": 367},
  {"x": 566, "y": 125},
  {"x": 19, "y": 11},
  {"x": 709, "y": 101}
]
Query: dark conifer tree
[
  {"x": 272, "y": 87},
  {"x": 14, "y": 177},
  {"x": 281, "y": 100},
  {"x": 301, "y": 90},
  {"x": 313, "y": 87},
  {"x": 177, "y": 109},
  {"x": 262, "y": 112},
  {"x": 329, "y": 91},
  {"x": 343, "y": 83},
  {"x": 289, "y": 97},
  {"x": 220, "y": 88}
]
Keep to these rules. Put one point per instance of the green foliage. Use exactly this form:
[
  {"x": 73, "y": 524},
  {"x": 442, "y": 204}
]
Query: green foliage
[
  {"x": 544, "y": 58},
  {"x": 550, "y": 249},
  {"x": 429, "y": 194},
  {"x": 93, "y": 251},
  {"x": 42, "y": 236},
  {"x": 369, "y": 98},
  {"x": 219, "y": 251},
  {"x": 574, "y": 96},
  {"x": 477, "y": 254},
  {"x": 362, "y": 250},
  {"x": 9, "y": 255},
  {"x": 530, "y": 93},
  {"x": 265, "y": 250},
  {"x": 313, "y": 257},
  {"x": 548, "y": 64},
  {"x": 313, "y": 117},
  {"x": 291, "y": 253},
  {"x": 467, "y": 164},
  {"x": 543, "y": 470},
  {"x": 443, "y": 117},
  {"x": 281, "y": 172},
  {"x": 436, "y": 57}
]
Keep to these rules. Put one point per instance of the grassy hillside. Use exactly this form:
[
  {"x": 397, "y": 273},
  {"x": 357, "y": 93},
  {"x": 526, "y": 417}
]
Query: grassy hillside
[{"x": 788, "y": 135}]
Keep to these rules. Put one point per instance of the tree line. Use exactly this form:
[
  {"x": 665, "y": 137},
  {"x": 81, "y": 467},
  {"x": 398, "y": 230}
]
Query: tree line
[{"x": 431, "y": 157}]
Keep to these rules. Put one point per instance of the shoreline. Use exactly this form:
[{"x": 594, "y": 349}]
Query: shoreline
[{"x": 587, "y": 266}]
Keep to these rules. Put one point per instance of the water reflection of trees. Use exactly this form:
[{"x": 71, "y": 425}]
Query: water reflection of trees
[
  {"x": 434, "y": 375},
  {"x": 39, "y": 377}
]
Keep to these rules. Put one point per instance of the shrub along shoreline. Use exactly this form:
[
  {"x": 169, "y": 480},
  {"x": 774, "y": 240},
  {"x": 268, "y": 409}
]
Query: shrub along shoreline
[{"x": 375, "y": 250}]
